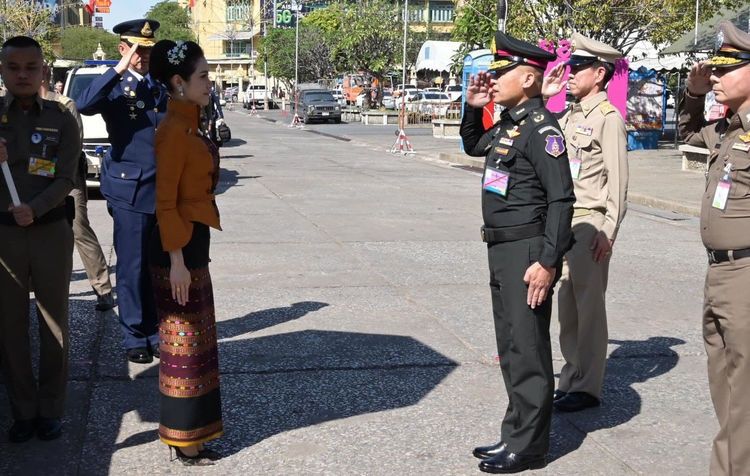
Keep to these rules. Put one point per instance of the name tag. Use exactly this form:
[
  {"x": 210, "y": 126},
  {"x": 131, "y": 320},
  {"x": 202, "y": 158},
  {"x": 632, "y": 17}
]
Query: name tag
[
  {"x": 495, "y": 181},
  {"x": 587, "y": 131},
  {"x": 721, "y": 194},
  {"x": 575, "y": 168},
  {"x": 41, "y": 167},
  {"x": 741, "y": 146}
]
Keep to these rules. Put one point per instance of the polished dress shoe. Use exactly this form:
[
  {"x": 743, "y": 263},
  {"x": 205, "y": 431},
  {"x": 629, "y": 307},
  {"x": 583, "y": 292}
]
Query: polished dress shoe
[
  {"x": 140, "y": 355},
  {"x": 576, "y": 401},
  {"x": 155, "y": 351},
  {"x": 507, "y": 462},
  {"x": 105, "y": 302},
  {"x": 22, "y": 430},
  {"x": 48, "y": 428},
  {"x": 484, "y": 452},
  {"x": 558, "y": 395}
]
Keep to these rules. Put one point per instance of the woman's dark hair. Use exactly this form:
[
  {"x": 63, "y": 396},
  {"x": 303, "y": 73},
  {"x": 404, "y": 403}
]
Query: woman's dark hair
[{"x": 169, "y": 58}]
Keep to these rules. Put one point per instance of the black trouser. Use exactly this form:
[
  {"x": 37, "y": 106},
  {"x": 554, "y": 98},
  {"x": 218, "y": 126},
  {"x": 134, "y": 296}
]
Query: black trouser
[{"x": 523, "y": 345}]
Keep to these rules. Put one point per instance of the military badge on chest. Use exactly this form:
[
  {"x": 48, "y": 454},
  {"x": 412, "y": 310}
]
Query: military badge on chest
[{"x": 134, "y": 104}]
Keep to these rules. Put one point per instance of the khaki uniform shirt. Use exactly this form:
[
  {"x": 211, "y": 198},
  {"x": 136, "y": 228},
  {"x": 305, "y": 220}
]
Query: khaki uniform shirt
[
  {"x": 46, "y": 132},
  {"x": 728, "y": 142},
  {"x": 596, "y": 135}
]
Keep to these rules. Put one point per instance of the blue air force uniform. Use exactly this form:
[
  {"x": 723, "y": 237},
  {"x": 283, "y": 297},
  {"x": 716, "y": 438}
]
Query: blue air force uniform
[{"x": 132, "y": 107}]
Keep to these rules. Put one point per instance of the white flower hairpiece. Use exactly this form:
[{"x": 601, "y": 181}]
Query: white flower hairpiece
[{"x": 176, "y": 55}]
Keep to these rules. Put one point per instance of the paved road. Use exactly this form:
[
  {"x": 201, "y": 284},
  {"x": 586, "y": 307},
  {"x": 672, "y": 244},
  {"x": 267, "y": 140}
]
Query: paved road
[{"x": 356, "y": 336}]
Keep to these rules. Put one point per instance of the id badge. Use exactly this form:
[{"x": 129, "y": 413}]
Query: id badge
[
  {"x": 575, "y": 168},
  {"x": 721, "y": 194},
  {"x": 41, "y": 167},
  {"x": 495, "y": 181}
]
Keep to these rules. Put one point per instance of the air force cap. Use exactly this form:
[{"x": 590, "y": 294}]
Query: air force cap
[
  {"x": 585, "y": 51},
  {"x": 733, "y": 47},
  {"x": 510, "y": 52},
  {"x": 139, "y": 32}
]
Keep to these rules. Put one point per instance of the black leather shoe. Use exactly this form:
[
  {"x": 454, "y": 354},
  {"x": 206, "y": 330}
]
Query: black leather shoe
[
  {"x": 575, "y": 402},
  {"x": 558, "y": 395},
  {"x": 48, "y": 428},
  {"x": 507, "y": 462},
  {"x": 140, "y": 355},
  {"x": 22, "y": 430},
  {"x": 197, "y": 460},
  {"x": 105, "y": 302},
  {"x": 155, "y": 351},
  {"x": 484, "y": 452}
]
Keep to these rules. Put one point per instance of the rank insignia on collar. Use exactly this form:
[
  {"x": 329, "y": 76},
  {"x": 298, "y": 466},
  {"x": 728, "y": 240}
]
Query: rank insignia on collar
[
  {"x": 745, "y": 137},
  {"x": 513, "y": 132},
  {"x": 538, "y": 117},
  {"x": 741, "y": 146},
  {"x": 555, "y": 146}
]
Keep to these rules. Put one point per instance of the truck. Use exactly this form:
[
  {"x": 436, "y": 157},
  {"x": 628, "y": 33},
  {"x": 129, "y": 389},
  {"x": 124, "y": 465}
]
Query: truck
[{"x": 255, "y": 95}]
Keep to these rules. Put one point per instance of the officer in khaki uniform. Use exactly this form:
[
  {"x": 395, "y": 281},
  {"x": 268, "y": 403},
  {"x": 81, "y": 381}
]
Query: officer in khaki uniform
[
  {"x": 597, "y": 142},
  {"x": 40, "y": 142},
  {"x": 84, "y": 235},
  {"x": 725, "y": 230}
]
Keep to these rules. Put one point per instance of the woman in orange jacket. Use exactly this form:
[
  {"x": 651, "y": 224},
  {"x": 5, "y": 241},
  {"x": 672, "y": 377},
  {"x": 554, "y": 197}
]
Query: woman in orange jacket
[{"x": 187, "y": 171}]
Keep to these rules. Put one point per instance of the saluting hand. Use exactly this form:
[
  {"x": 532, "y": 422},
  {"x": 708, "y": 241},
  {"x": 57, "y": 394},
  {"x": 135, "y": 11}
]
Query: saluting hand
[
  {"x": 538, "y": 277},
  {"x": 479, "y": 90},
  {"x": 699, "y": 79},
  {"x": 554, "y": 82},
  {"x": 124, "y": 63}
]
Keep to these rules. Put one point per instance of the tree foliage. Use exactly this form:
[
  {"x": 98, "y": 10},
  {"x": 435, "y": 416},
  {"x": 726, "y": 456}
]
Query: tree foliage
[
  {"x": 80, "y": 42},
  {"x": 32, "y": 19},
  {"x": 620, "y": 23},
  {"x": 277, "y": 49},
  {"x": 174, "y": 20}
]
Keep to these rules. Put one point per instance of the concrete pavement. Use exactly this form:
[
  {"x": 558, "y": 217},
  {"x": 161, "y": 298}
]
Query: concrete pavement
[{"x": 356, "y": 336}]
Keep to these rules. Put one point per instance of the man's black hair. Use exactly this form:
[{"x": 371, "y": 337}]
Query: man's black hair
[{"x": 22, "y": 42}]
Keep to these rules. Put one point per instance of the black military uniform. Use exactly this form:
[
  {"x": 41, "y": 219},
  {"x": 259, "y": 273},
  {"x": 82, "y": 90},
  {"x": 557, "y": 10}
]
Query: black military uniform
[{"x": 527, "y": 206}]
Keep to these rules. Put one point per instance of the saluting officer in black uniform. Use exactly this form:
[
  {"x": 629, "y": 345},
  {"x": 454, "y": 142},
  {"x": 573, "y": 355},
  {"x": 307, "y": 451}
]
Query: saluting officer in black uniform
[{"x": 527, "y": 205}]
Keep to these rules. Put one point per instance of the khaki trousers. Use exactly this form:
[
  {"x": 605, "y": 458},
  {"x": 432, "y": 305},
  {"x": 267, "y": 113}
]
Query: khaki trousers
[
  {"x": 40, "y": 255},
  {"x": 88, "y": 245},
  {"x": 726, "y": 335},
  {"x": 582, "y": 311}
]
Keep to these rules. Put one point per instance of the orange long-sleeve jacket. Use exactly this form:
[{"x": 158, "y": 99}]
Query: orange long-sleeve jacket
[{"x": 184, "y": 176}]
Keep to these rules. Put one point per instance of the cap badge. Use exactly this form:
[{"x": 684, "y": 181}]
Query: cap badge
[
  {"x": 555, "y": 145},
  {"x": 146, "y": 30}
]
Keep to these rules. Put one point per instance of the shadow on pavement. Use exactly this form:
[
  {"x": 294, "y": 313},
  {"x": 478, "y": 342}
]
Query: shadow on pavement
[
  {"x": 635, "y": 361},
  {"x": 230, "y": 178},
  {"x": 276, "y": 383}
]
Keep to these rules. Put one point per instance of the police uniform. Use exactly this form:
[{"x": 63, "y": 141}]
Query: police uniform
[
  {"x": 84, "y": 235},
  {"x": 132, "y": 107},
  {"x": 725, "y": 230},
  {"x": 43, "y": 150},
  {"x": 527, "y": 204},
  {"x": 597, "y": 148}
]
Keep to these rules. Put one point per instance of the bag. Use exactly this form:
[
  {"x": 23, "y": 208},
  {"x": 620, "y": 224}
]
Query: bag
[{"x": 225, "y": 134}]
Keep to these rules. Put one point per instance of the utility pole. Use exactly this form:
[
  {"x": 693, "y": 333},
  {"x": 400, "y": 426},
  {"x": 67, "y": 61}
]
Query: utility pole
[
  {"x": 502, "y": 14},
  {"x": 697, "y": 9}
]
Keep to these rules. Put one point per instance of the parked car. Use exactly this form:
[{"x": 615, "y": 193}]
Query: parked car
[
  {"x": 339, "y": 97},
  {"x": 430, "y": 103},
  {"x": 389, "y": 102},
  {"x": 400, "y": 89},
  {"x": 231, "y": 94},
  {"x": 433, "y": 90},
  {"x": 95, "y": 136},
  {"x": 255, "y": 95},
  {"x": 455, "y": 92},
  {"x": 318, "y": 105}
]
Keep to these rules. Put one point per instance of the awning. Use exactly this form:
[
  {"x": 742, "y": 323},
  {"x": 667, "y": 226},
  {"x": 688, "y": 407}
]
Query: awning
[
  {"x": 437, "y": 55},
  {"x": 233, "y": 35},
  {"x": 645, "y": 55},
  {"x": 707, "y": 31}
]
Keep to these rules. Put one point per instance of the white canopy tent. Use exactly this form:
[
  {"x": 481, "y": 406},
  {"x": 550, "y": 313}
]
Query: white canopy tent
[
  {"x": 437, "y": 55},
  {"x": 644, "y": 54}
]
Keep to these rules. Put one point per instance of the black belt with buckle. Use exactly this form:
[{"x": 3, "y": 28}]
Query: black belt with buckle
[
  {"x": 720, "y": 256},
  {"x": 511, "y": 233}
]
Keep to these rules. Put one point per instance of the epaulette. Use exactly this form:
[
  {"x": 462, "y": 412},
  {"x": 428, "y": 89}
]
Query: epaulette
[{"x": 606, "y": 107}]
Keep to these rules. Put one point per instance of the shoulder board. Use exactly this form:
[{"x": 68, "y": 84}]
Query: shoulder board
[{"x": 606, "y": 107}]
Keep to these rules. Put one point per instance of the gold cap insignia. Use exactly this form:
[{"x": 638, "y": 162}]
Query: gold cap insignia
[{"x": 146, "y": 30}]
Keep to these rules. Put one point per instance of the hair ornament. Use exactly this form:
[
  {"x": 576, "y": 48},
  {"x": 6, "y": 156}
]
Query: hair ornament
[{"x": 176, "y": 54}]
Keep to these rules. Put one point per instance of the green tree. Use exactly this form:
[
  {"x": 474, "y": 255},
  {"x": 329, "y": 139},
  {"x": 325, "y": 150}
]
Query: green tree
[
  {"x": 174, "y": 19},
  {"x": 620, "y": 23},
  {"x": 80, "y": 42},
  {"x": 32, "y": 19}
]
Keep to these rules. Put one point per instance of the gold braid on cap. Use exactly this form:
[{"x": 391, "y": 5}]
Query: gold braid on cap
[{"x": 176, "y": 54}]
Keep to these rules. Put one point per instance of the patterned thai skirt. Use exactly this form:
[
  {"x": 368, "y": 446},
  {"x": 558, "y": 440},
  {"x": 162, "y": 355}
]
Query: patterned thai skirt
[{"x": 189, "y": 368}]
